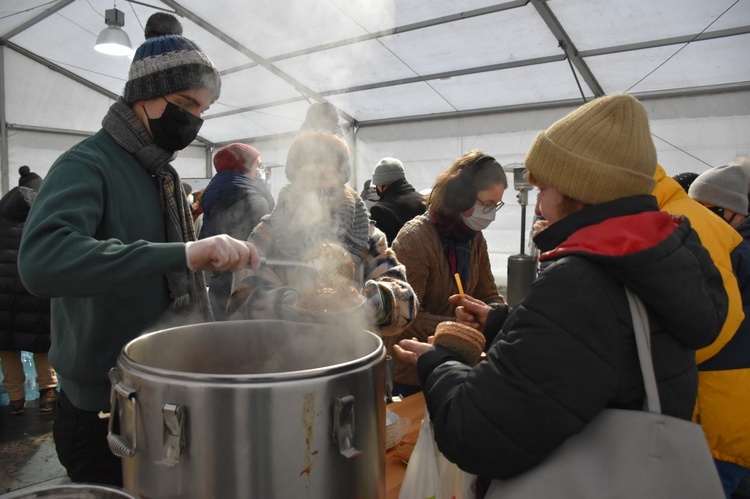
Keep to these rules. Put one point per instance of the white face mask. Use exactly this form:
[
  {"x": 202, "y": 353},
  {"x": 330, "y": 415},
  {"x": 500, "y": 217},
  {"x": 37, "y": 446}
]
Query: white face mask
[{"x": 478, "y": 220}]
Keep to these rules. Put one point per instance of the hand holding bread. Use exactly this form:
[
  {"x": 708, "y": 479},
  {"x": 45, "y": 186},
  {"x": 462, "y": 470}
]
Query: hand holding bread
[{"x": 462, "y": 339}]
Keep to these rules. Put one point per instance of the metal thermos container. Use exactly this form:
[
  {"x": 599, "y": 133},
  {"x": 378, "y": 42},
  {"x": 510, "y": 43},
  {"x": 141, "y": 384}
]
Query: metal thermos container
[{"x": 251, "y": 409}]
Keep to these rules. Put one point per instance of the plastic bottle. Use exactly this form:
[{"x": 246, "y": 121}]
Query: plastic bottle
[
  {"x": 30, "y": 386},
  {"x": 3, "y": 392}
]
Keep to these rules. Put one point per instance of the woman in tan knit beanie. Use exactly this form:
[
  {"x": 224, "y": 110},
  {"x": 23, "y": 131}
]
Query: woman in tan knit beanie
[{"x": 567, "y": 350}]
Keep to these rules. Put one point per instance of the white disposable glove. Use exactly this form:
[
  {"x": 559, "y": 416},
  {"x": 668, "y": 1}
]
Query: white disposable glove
[{"x": 221, "y": 253}]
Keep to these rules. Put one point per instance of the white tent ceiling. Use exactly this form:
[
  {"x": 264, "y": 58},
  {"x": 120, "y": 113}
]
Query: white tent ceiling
[
  {"x": 421, "y": 80},
  {"x": 382, "y": 61}
]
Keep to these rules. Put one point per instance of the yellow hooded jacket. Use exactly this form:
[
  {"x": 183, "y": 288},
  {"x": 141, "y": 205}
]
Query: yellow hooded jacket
[{"x": 714, "y": 410}]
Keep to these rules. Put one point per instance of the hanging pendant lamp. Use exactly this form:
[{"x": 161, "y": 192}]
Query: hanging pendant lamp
[{"x": 113, "y": 40}]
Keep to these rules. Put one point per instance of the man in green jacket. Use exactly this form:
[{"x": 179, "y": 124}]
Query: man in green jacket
[{"x": 110, "y": 239}]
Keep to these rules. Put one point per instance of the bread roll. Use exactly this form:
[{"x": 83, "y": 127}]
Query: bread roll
[{"x": 464, "y": 340}]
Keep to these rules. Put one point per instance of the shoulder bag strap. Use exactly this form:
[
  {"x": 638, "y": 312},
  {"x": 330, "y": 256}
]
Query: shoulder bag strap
[{"x": 643, "y": 342}]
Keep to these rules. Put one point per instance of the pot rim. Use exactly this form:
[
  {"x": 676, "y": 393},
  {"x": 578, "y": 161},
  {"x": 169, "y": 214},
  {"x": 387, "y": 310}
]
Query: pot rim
[{"x": 378, "y": 354}]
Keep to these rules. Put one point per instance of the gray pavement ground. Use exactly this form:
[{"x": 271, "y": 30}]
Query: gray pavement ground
[{"x": 27, "y": 451}]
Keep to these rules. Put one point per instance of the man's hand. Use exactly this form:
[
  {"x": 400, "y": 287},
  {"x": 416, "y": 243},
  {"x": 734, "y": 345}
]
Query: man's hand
[{"x": 221, "y": 253}]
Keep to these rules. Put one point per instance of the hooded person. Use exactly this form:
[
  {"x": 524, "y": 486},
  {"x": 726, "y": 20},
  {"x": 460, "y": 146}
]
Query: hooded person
[
  {"x": 125, "y": 259},
  {"x": 317, "y": 212},
  {"x": 234, "y": 201},
  {"x": 567, "y": 350}
]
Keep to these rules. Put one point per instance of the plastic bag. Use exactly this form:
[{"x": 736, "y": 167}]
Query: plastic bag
[
  {"x": 422, "y": 478},
  {"x": 430, "y": 475},
  {"x": 451, "y": 478}
]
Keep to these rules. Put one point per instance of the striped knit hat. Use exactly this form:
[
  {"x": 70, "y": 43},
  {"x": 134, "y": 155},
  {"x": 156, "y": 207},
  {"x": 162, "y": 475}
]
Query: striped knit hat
[
  {"x": 599, "y": 152},
  {"x": 167, "y": 63}
]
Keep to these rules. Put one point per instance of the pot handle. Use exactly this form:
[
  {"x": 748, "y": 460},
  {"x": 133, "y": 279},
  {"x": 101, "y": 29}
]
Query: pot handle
[
  {"x": 343, "y": 425},
  {"x": 117, "y": 444}
]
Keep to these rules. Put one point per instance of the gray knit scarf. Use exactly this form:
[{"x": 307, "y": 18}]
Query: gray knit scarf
[{"x": 187, "y": 289}]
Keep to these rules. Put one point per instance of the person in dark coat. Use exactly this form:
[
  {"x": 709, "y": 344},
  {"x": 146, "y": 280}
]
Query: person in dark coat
[
  {"x": 233, "y": 203},
  {"x": 399, "y": 201},
  {"x": 24, "y": 318},
  {"x": 567, "y": 350}
]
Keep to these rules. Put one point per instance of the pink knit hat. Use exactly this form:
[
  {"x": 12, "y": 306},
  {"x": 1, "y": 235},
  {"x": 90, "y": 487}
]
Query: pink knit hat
[{"x": 235, "y": 157}]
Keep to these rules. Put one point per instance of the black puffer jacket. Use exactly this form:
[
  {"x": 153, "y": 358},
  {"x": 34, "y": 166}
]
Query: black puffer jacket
[
  {"x": 24, "y": 318},
  {"x": 568, "y": 350},
  {"x": 398, "y": 204}
]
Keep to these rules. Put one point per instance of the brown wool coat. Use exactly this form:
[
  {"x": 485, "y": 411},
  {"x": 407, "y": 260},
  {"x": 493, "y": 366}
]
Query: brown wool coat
[{"x": 418, "y": 248}]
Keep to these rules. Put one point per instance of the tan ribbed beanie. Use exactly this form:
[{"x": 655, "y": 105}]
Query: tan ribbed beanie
[{"x": 599, "y": 152}]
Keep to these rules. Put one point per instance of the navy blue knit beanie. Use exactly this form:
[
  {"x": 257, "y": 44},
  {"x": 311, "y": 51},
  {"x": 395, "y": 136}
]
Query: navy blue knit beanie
[{"x": 167, "y": 63}]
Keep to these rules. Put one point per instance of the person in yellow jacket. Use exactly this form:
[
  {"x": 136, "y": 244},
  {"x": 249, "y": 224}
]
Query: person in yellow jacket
[{"x": 720, "y": 239}]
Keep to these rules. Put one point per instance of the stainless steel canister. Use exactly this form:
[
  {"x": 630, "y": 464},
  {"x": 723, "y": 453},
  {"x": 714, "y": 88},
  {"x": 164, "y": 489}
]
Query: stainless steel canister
[{"x": 251, "y": 409}]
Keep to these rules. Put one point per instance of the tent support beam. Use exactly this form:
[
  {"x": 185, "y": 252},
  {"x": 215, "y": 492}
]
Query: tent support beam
[
  {"x": 567, "y": 46},
  {"x": 54, "y": 67}
]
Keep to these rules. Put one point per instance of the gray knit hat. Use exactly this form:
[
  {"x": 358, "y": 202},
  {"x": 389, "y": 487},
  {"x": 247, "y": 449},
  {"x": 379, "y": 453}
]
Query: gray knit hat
[
  {"x": 388, "y": 171},
  {"x": 167, "y": 63},
  {"x": 724, "y": 186}
]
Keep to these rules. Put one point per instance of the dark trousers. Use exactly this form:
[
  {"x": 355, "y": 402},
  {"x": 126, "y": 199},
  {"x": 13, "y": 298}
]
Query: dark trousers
[{"x": 81, "y": 444}]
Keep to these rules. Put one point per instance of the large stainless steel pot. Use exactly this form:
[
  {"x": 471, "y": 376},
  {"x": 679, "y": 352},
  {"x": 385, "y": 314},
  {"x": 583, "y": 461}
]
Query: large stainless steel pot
[
  {"x": 251, "y": 409},
  {"x": 71, "y": 491}
]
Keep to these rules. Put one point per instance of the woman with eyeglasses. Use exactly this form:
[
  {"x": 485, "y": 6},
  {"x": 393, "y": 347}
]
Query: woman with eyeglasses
[{"x": 445, "y": 241}]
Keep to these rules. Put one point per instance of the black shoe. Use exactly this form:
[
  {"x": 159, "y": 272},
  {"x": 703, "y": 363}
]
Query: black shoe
[
  {"x": 47, "y": 400},
  {"x": 16, "y": 406}
]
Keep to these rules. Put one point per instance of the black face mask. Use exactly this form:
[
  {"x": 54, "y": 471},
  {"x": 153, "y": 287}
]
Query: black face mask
[{"x": 175, "y": 129}]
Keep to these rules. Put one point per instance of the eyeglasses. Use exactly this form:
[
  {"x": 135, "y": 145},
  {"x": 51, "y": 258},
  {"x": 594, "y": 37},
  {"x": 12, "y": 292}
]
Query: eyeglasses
[{"x": 486, "y": 208}]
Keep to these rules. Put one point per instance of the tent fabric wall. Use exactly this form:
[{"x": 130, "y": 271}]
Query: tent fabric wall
[
  {"x": 695, "y": 133},
  {"x": 692, "y": 133}
]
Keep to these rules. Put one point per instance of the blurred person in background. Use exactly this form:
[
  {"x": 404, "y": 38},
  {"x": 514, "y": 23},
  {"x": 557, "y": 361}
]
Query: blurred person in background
[
  {"x": 316, "y": 209},
  {"x": 235, "y": 200},
  {"x": 398, "y": 202},
  {"x": 110, "y": 240},
  {"x": 196, "y": 205},
  {"x": 322, "y": 117},
  {"x": 684, "y": 179},
  {"x": 724, "y": 377},
  {"x": 369, "y": 194},
  {"x": 445, "y": 241},
  {"x": 24, "y": 318},
  {"x": 567, "y": 350}
]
